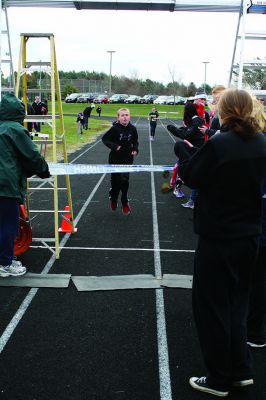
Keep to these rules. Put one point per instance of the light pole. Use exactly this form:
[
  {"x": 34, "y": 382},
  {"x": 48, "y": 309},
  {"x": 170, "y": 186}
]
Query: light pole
[
  {"x": 40, "y": 80},
  {"x": 110, "y": 72},
  {"x": 205, "y": 73}
]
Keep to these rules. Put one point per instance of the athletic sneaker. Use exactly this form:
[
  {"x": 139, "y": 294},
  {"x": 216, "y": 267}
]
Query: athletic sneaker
[
  {"x": 126, "y": 210},
  {"x": 152, "y": 138},
  {"x": 258, "y": 345},
  {"x": 201, "y": 384},
  {"x": 113, "y": 205},
  {"x": 242, "y": 383},
  {"x": 178, "y": 192},
  {"x": 14, "y": 269},
  {"x": 189, "y": 204}
]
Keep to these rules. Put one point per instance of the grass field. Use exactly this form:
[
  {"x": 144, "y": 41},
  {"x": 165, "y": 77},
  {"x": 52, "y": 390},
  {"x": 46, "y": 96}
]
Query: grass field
[
  {"x": 98, "y": 125},
  {"x": 137, "y": 110}
]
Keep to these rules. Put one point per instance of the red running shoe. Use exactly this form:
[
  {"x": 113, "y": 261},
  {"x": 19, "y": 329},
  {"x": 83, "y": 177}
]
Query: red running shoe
[
  {"x": 113, "y": 205},
  {"x": 126, "y": 210}
]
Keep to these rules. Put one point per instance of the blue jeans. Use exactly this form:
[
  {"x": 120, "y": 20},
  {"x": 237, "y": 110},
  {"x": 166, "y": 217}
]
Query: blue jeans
[
  {"x": 193, "y": 195},
  {"x": 9, "y": 225}
]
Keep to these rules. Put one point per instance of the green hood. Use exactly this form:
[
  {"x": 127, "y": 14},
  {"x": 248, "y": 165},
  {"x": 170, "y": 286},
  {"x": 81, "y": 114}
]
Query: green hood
[{"x": 11, "y": 109}]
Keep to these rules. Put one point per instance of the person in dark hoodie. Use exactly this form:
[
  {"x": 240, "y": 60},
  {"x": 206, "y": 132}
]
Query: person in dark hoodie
[
  {"x": 191, "y": 131},
  {"x": 228, "y": 229},
  {"x": 122, "y": 139},
  {"x": 19, "y": 159}
]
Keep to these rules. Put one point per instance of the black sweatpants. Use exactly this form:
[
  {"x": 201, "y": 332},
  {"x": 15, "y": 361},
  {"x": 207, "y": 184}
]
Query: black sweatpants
[
  {"x": 152, "y": 128},
  {"x": 119, "y": 182},
  {"x": 9, "y": 226},
  {"x": 220, "y": 295},
  {"x": 257, "y": 304}
]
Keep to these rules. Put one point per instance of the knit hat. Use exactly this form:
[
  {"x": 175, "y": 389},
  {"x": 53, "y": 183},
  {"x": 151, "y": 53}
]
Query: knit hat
[{"x": 200, "y": 96}]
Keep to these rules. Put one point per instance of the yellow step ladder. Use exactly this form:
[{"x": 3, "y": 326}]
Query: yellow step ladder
[{"x": 24, "y": 68}]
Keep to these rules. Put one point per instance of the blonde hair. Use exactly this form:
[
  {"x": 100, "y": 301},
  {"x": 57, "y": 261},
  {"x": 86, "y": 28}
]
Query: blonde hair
[
  {"x": 121, "y": 110},
  {"x": 218, "y": 89},
  {"x": 259, "y": 114},
  {"x": 235, "y": 108}
]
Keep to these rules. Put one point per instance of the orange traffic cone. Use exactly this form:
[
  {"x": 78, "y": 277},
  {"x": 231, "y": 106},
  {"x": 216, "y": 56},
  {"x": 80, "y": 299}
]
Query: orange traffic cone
[{"x": 66, "y": 222}]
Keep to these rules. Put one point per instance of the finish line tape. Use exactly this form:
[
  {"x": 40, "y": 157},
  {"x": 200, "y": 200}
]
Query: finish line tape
[{"x": 86, "y": 169}]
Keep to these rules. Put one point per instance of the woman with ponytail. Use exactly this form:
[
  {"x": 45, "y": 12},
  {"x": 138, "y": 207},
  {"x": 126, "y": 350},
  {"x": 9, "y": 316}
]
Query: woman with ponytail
[{"x": 229, "y": 171}]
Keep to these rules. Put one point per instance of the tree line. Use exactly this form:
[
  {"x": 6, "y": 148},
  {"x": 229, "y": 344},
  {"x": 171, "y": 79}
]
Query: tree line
[{"x": 254, "y": 78}]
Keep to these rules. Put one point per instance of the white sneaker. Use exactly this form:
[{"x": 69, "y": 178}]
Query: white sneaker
[
  {"x": 202, "y": 385},
  {"x": 178, "y": 193},
  {"x": 258, "y": 345},
  {"x": 14, "y": 269},
  {"x": 243, "y": 383},
  {"x": 189, "y": 204}
]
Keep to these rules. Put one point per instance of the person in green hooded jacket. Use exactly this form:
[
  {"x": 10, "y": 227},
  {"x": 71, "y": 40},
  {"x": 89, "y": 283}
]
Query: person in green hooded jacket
[{"x": 19, "y": 159}]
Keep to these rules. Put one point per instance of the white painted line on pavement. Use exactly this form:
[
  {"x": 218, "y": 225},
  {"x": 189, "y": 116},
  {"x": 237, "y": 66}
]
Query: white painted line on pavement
[
  {"x": 116, "y": 248},
  {"x": 164, "y": 372}
]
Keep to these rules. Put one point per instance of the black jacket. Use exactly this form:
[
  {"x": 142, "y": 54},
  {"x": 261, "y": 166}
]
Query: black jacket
[
  {"x": 214, "y": 127},
  {"x": 39, "y": 107},
  {"x": 87, "y": 111},
  {"x": 124, "y": 136},
  {"x": 229, "y": 172},
  {"x": 191, "y": 133}
]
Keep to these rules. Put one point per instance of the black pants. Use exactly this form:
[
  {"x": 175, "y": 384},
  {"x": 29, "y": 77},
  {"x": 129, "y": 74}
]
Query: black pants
[
  {"x": 257, "y": 304},
  {"x": 221, "y": 284},
  {"x": 119, "y": 182},
  {"x": 152, "y": 128},
  {"x": 9, "y": 225}
]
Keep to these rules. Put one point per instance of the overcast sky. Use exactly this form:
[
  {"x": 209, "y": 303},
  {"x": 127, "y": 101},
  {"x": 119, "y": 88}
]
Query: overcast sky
[{"x": 147, "y": 44}]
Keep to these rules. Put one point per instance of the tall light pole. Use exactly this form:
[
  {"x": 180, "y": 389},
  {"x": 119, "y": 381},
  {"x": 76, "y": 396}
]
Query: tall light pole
[
  {"x": 205, "y": 73},
  {"x": 110, "y": 72}
]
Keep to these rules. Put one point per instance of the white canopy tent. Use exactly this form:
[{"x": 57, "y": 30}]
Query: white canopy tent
[{"x": 255, "y": 6}]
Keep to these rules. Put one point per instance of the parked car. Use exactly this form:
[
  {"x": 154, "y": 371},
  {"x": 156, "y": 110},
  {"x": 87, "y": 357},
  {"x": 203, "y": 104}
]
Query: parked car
[
  {"x": 118, "y": 98},
  {"x": 181, "y": 100},
  {"x": 86, "y": 98},
  {"x": 148, "y": 98},
  {"x": 161, "y": 100},
  {"x": 72, "y": 98},
  {"x": 132, "y": 99},
  {"x": 209, "y": 99},
  {"x": 260, "y": 94},
  {"x": 171, "y": 100},
  {"x": 101, "y": 98}
]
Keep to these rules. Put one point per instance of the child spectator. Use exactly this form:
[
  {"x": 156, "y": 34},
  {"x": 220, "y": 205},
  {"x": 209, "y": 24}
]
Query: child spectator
[
  {"x": 99, "y": 111},
  {"x": 81, "y": 122}
]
